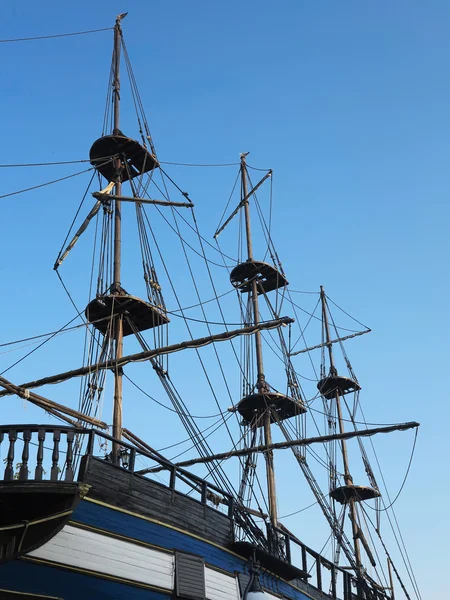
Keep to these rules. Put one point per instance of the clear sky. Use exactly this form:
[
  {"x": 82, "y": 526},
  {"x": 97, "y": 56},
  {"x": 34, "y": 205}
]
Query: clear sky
[{"x": 348, "y": 102}]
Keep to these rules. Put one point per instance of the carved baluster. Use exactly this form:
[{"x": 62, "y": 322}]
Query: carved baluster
[
  {"x": 55, "y": 455},
  {"x": 39, "y": 472},
  {"x": 23, "y": 473},
  {"x": 9, "y": 471},
  {"x": 69, "y": 457}
]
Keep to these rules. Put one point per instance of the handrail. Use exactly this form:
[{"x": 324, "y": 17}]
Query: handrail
[{"x": 68, "y": 434}]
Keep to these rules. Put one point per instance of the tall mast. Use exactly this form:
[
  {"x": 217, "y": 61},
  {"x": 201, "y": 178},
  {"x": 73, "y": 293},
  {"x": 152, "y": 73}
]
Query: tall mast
[
  {"x": 261, "y": 384},
  {"x": 118, "y": 322},
  {"x": 347, "y": 476}
]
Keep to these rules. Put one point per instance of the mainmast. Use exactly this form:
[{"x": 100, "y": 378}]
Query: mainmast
[
  {"x": 118, "y": 166},
  {"x": 262, "y": 406},
  {"x": 332, "y": 387},
  {"x": 261, "y": 384}
]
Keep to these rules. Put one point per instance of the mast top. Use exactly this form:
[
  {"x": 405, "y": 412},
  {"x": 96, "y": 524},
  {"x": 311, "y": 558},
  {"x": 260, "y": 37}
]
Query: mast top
[{"x": 120, "y": 18}]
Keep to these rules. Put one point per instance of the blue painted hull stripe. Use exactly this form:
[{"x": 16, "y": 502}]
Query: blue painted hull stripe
[{"x": 33, "y": 578}]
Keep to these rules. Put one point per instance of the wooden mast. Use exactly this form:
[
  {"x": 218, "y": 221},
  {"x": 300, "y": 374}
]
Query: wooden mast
[
  {"x": 261, "y": 384},
  {"x": 116, "y": 287},
  {"x": 347, "y": 476}
]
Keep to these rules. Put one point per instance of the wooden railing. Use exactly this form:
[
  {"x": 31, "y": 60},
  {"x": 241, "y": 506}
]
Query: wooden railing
[
  {"x": 57, "y": 451},
  {"x": 334, "y": 581},
  {"x": 22, "y": 438}
]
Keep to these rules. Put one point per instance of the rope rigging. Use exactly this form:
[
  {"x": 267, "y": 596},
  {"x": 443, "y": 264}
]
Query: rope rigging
[{"x": 99, "y": 346}]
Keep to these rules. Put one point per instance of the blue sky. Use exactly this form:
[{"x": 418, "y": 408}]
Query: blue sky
[{"x": 346, "y": 101}]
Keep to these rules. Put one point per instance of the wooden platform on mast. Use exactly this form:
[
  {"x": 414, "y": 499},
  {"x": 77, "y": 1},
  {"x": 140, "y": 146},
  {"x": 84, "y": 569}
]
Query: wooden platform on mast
[
  {"x": 135, "y": 158},
  {"x": 282, "y": 407},
  {"x": 336, "y": 383},
  {"x": 267, "y": 277},
  {"x": 141, "y": 315},
  {"x": 358, "y": 493}
]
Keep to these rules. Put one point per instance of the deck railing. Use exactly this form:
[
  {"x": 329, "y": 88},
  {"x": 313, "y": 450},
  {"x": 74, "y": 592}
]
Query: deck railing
[
  {"x": 38, "y": 452},
  {"x": 334, "y": 581}
]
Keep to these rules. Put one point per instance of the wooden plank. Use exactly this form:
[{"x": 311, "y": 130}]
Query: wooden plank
[
  {"x": 93, "y": 551},
  {"x": 134, "y": 493}
]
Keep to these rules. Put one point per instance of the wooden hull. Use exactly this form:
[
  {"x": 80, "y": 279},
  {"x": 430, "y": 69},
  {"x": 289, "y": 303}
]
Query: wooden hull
[{"x": 32, "y": 513}]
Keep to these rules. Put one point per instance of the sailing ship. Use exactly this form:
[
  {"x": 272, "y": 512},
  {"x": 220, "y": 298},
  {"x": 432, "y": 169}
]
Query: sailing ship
[{"x": 97, "y": 512}]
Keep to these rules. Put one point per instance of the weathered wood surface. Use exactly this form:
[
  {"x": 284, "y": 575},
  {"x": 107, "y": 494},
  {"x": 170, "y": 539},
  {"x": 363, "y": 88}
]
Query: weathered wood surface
[{"x": 137, "y": 494}]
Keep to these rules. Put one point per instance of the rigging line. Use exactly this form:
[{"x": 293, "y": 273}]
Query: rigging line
[
  {"x": 180, "y": 236},
  {"x": 205, "y": 240},
  {"x": 416, "y": 589},
  {"x": 208, "y": 322},
  {"x": 311, "y": 315},
  {"x": 56, "y": 35},
  {"x": 220, "y": 422},
  {"x": 183, "y": 218},
  {"x": 349, "y": 420},
  {"x": 168, "y": 407},
  {"x": 375, "y": 550},
  {"x": 189, "y": 439},
  {"x": 385, "y": 508},
  {"x": 209, "y": 331},
  {"x": 312, "y": 452},
  {"x": 346, "y": 313},
  {"x": 50, "y": 333},
  {"x": 75, "y": 217},
  {"x": 303, "y": 329},
  {"x": 46, "y": 164},
  {"x": 162, "y": 162},
  {"x": 298, "y": 511},
  {"x": 302, "y": 292},
  {"x": 217, "y": 300},
  {"x": 200, "y": 303},
  {"x": 41, "y": 185},
  {"x": 256, "y": 169},
  {"x": 406, "y": 561},
  {"x": 39, "y": 346},
  {"x": 187, "y": 424},
  {"x": 319, "y": 319},
  {"x": 229, "y": 200}
]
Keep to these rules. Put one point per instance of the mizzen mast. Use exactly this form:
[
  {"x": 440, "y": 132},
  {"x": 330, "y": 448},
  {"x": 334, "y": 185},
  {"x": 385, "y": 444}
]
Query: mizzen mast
[{"x": 332, "y": 387}]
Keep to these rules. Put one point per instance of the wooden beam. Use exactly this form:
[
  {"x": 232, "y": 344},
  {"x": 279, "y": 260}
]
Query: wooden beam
[
  {"x": 301, "y": 442},
  {"x": 148, "y": 354},
  {"x": 101, "y": 196},
  {"x": 50, "y": 406}
]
